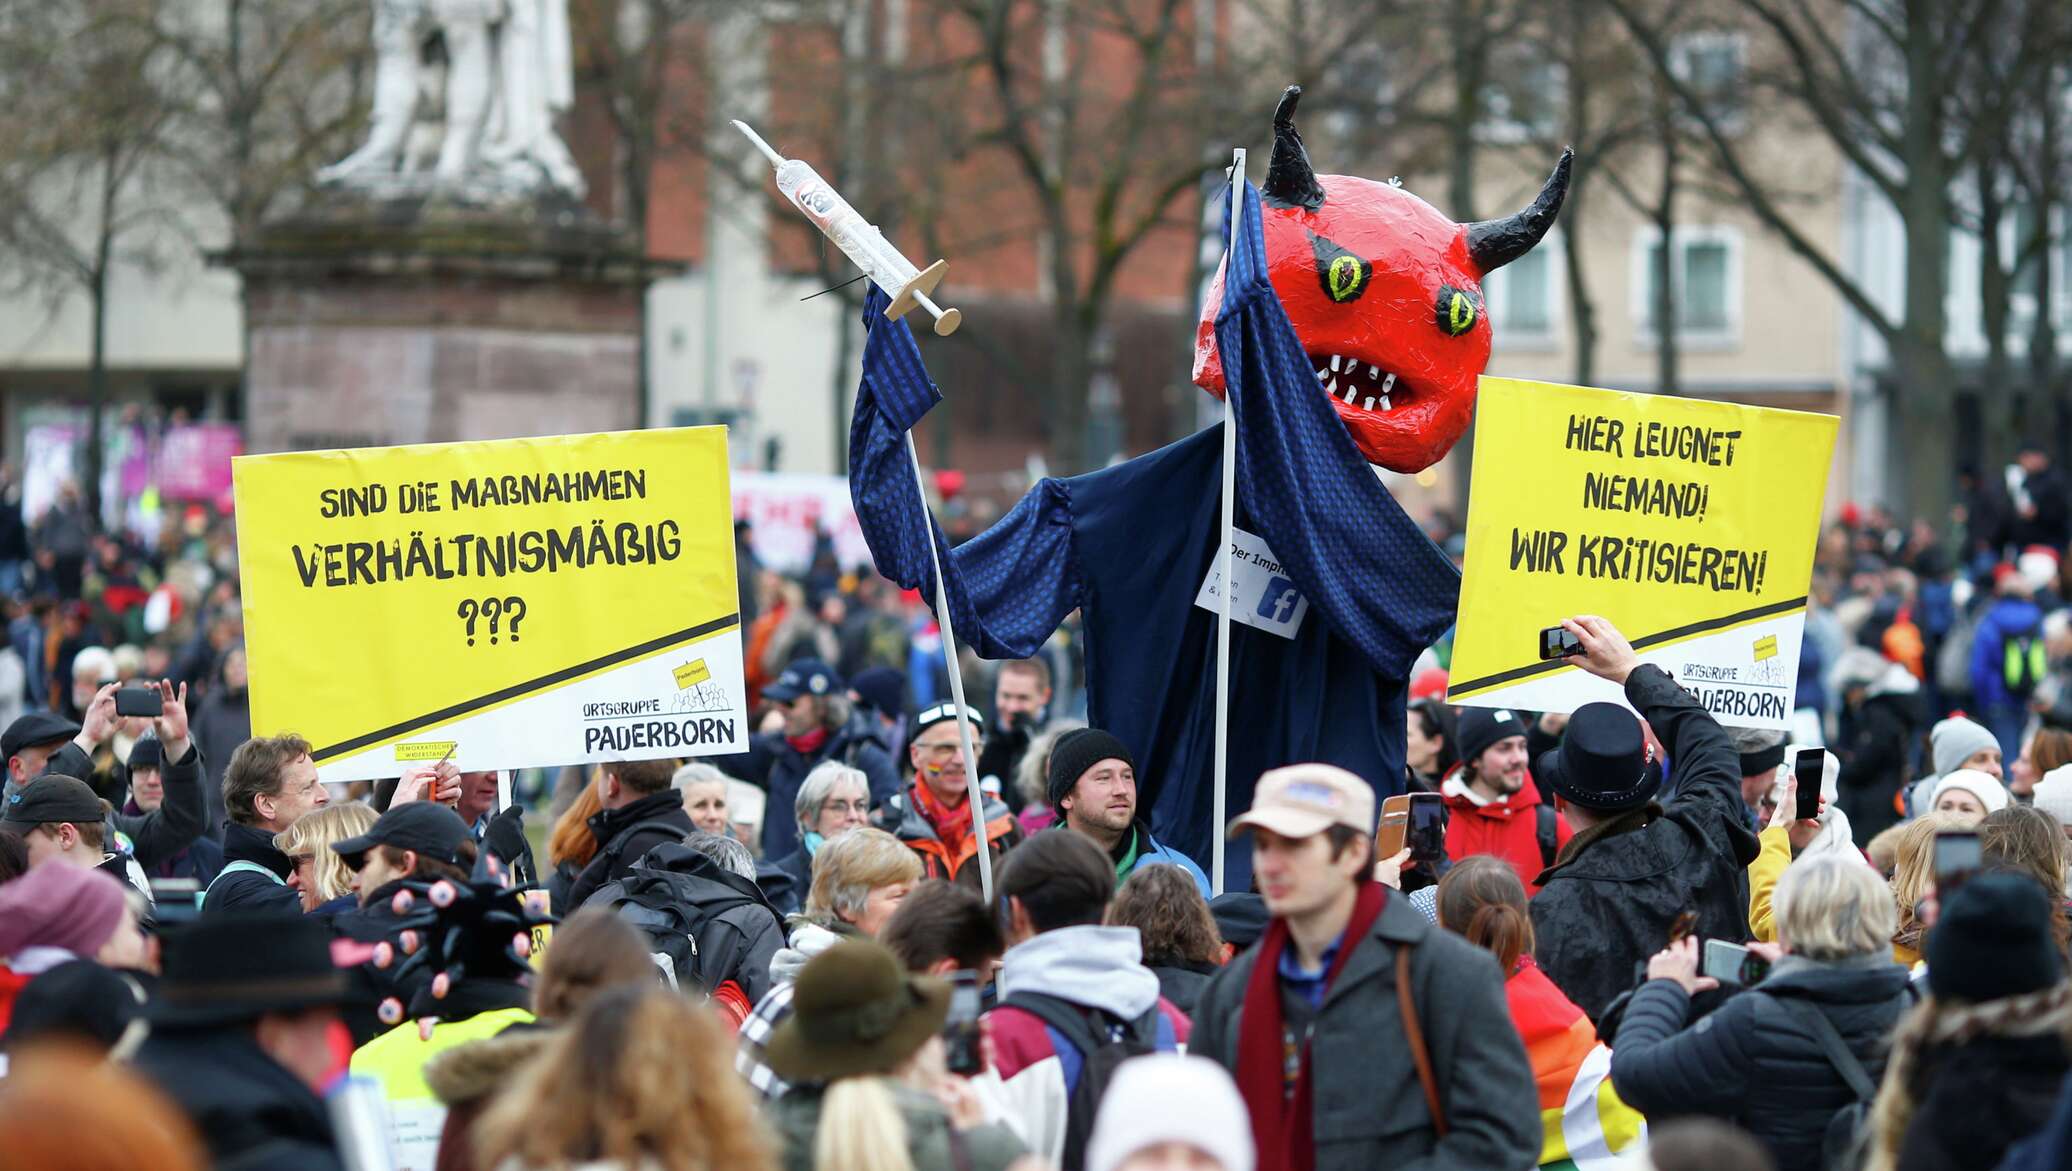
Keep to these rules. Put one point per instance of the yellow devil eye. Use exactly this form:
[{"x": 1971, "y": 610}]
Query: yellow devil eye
[
  {"x": 1342, "y": 273},
  {"x": 1345, "y": 278},
  {"x": 1457, "y": 310}
]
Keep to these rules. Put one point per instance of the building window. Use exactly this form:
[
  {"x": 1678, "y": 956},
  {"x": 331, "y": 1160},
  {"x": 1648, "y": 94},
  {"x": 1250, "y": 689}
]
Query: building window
[
  {"x": 1524, "y": 99},
  {"x": 1524, "y": 296},
  {"x": 1715, "y": 66},
  {"x": 1706, "y": 268}
]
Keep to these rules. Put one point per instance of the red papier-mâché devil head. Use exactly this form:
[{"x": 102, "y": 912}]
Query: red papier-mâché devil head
[{"x": 1385, "y": 294}]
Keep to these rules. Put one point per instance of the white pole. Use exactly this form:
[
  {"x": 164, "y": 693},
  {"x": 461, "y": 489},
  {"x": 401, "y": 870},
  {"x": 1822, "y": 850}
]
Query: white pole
[
  {"x": 949, "y": 655},
  {"x": 1229, "y": 565}
]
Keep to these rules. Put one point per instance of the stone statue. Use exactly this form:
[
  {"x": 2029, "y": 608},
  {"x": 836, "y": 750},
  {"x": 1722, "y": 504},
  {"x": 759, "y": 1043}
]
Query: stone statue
[{"x": 507, "y": 74}]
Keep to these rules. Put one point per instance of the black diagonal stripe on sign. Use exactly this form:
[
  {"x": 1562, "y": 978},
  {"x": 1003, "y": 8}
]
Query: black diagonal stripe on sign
[
  {"x": 1639, "y": 644},
  {"x": 517, "y": 689}
]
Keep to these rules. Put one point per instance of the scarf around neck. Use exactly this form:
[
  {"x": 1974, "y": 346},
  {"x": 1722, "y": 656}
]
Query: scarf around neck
[{"x": 1283, "y": 1124}]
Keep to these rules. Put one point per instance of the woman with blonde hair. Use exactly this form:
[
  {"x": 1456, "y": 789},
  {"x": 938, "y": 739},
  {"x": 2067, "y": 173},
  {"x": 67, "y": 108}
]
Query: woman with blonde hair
[
  {"x": 1913, "y": 877},
  {"x": 321, "y": 876},
  {"x": 642, "y": 1080},
  {"x": 1977, "y": 1065},
  {"x": 863, "y": 1052},
  {"x": 858, "y": 881}
]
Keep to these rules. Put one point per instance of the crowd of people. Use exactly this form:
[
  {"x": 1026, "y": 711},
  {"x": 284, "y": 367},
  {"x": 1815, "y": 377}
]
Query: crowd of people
[{"x": 1626, "y": 949}]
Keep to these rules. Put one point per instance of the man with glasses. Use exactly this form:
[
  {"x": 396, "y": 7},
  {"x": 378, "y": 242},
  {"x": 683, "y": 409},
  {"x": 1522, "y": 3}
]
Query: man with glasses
[{"x": 932, "y": 815}]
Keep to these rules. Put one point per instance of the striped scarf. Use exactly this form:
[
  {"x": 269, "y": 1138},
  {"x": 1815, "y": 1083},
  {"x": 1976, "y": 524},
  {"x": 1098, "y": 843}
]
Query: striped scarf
[{"x": 1586, "y": 1126}]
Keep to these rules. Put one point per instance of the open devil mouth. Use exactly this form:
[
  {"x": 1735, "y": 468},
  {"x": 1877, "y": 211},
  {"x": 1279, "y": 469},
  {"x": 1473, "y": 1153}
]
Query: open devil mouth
[{"x": 1359, "y": 385}]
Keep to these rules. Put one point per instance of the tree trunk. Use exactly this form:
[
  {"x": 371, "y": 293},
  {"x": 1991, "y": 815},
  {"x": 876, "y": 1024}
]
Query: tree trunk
[
  {"x": 1071, "y": 368},
  {"x": 1996, "y": 394},
  {"x": 1667, "y": 342},
  {"x": 1583, "y": 310},
  {"x": 1922, "y": 372},
  {"x": 1470, "y": 48},
  {"x": 97, "y": 291}
]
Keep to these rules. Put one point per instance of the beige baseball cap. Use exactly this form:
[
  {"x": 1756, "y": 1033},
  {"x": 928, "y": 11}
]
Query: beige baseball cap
[{"x": 1303, "y": 800}]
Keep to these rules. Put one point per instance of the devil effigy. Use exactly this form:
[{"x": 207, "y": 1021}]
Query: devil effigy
[{"x": 1346, "y": 329}]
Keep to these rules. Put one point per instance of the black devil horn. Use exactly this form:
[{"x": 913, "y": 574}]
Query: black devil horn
[
  {"x": 1290, "y": 180},
  {"x": 1496, "y": 243}
]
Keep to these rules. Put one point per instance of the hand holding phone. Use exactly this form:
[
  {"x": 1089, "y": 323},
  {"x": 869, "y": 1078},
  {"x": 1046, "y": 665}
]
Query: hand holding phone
[
  {"x": 962, "y": 1036},
  {"x": 1810, "y": 769},
  {"x": 1559, "y": 642},
  {"x": 1426, "y": 836},
  {"x": 1730, "y": 963},
  {"x": 139, "y": 701}
]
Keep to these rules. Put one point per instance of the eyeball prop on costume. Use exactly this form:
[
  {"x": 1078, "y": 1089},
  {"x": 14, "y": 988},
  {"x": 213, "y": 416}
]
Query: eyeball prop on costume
[
  {"x": 442, "y": 894},
  {"x": 402, "y": 903},
  {"x": 410, "y": 942},
  {"x": 384, "y": 955},
  {"x": 1385, "y": 294},
  {"x": 390, "y": 1012},
  {"x": 441, "y": 985},
  {"x": 425, "y": 1025},
  {"x": 521, "y": 946}
]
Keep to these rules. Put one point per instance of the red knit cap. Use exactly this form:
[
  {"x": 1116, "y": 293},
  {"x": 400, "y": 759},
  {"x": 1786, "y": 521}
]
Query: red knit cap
[{"x": 59, "y": 905}]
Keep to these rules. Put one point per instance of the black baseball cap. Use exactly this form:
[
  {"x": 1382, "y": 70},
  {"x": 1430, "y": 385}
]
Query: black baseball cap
[
  {"x": 33, "y": 729},
  {"x": 425, "y": 827},
  {"x": 52, "y": 798},
  {"x": 804, "y": 677},
  {"x": 942, "y": 713}
]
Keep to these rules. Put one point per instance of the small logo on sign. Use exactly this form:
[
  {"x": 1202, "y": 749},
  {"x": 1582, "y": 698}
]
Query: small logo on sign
[
  {"x": 691, "y": 674},
  {"x": 1277, "y": 603},
  {"x": 1766, "y": 647},
  {"x": 424, "y": 750}
]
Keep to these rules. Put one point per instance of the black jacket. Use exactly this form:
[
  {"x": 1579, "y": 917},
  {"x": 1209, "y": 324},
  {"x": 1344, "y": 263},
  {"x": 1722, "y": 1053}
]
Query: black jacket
[
  {"x": 1608, "y": 901},
  {"x": 1973, "y": 1101},
  {"x": 254, "y": 1114},
  {"x": 1370, "y": 1109},
  {"x": 615, "y": 857},
  {"x": 1181, "y": 982},
  {"x": 787, "y": 880},
  {"x": 737, "y": 932},
  {"x": 223, "y": 723},
  {"x": 244, "y": 893},
  {"x": 1754, "y": 1062},
  {"x": 1875, "y": 760},
  {"x": 163, "y": 832}
]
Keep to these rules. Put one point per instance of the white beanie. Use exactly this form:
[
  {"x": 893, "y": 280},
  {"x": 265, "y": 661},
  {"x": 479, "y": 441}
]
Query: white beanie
[
  {"x": 1171, "y": 1099},
  {"x": 1990, "y": 792},
  {"x": 1955, "y": 740},
  {"x": 2054, "y": 793}
]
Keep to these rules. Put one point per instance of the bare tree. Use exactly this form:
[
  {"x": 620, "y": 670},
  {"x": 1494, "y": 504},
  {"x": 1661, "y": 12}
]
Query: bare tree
[{"x": 85, "y": 125}]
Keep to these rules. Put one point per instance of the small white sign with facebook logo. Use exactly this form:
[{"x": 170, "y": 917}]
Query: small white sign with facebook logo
[{"x": 1265, "y": 597}]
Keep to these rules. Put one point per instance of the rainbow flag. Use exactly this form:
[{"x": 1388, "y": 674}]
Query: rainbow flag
[{"x": 1587, "y": 1127}]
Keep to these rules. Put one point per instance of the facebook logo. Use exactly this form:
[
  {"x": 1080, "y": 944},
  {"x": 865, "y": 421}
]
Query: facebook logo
[{"x": 1278, "y": 602}]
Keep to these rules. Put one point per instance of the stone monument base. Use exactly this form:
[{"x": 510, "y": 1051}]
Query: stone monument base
[{"x": 375, "y": 321}]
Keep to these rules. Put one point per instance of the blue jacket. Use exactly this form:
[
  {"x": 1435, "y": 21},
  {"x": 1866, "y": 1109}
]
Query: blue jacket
[
  {"x": 2006, "y": 618},
  {"x": 1150, "y": 851}
]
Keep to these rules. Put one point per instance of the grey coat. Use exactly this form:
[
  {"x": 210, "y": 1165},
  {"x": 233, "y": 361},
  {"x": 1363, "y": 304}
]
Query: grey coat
[{"x": 1369, "y": 1107}]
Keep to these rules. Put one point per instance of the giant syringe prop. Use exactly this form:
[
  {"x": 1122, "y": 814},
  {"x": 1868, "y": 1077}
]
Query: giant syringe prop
[{"x": 858, "y": 238}]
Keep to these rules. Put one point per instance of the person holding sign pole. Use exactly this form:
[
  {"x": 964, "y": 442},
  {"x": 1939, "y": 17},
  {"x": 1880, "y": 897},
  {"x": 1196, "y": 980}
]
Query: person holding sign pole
[{"x": 1634, "y": 866}]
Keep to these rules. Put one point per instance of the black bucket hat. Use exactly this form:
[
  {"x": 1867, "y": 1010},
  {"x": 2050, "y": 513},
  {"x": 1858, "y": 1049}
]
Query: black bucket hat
[
  {"x": 855, "y": 1011},
  {"x": 219, "y": 971}
]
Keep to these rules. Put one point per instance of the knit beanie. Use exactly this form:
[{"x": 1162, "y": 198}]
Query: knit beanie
[
  {"x": 1077, "y": 751},
  {"x": 1990, "y": 793},
  {"x": 59, "y": 905},
  {"x": 2054, "y": 794},
  {"x": 1992, "y": 941},
  {"x": 1480, "y": 727},
  {"x": 1171, "y": 1099},
  {"x": 1953, "y": 741},
  {"x": 1761, "y": 750}
]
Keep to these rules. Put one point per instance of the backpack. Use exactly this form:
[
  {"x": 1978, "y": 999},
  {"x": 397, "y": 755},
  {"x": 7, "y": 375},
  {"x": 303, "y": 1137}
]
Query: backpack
[
  {"x": 1100, "y": 1044},
  {"x": 660, "y": 905},
  {"x": 2023, "y": 664}
]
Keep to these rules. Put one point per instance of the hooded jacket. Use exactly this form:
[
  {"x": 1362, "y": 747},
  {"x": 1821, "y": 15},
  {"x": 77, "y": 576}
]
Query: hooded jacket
[
  {"x": 1507, "y": 828},
  {"x": 737, "y": 932},
  {"x": 1755, "y": 1062},
  {"x": 1149, "y": 851},
  {"x": 1609, "y": 899},
  {"x": 249, "y": 892},
  {"x": 2008, "y": 617},
  {"x": 671, "y": 824},
  {"x": 904, "y": 820},
  {"x": 1094, "y": 967},
  {"x": 252, "y": 1112}
]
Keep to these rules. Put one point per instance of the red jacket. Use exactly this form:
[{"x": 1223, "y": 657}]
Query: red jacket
[{"x": 1508, "y": 829}]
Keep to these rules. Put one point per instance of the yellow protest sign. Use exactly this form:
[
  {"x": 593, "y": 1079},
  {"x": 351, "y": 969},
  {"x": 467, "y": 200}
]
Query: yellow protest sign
[
  {"x": 519, "y": 603},
  {"x": 1690, "y": 524}
]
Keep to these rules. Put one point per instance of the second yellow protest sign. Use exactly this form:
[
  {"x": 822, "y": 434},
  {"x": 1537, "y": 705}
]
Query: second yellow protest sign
[
  {"x": 1690, "y": 524},
  {"x": 511, "y": 603}
]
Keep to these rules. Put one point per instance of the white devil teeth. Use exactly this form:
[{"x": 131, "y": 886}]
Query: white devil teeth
[
  {"x": 1388, "y": 386},
  {"x": 1320, "y": 376},
  {"x": 1384, "y": 402},
  {"x": 1369, "y": 404},
  {"x": 1349, "y": 392},
  {"x": 1373, "y": 371},
  {"x": 1335, "y": 360},
  {"x": 1332, "y": 388}
]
